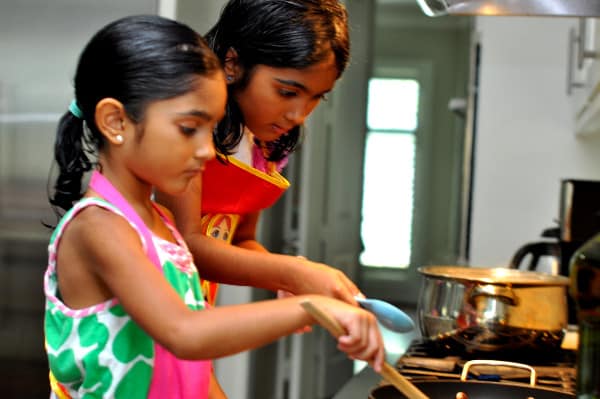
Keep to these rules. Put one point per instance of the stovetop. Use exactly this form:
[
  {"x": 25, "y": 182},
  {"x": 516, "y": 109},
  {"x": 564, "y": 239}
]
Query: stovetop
[{"x": 442, "y": 361}]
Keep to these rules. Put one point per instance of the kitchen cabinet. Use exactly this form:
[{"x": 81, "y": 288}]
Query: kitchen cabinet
[{"x": 583, "y": 75}]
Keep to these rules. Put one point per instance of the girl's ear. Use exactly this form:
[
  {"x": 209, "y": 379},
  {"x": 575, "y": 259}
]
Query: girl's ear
[
  {"x": 232, "y": 67},
  {"x": 110, "y": 119}
]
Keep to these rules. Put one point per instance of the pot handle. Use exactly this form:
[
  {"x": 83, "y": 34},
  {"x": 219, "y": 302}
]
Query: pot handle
[
  {"x": 505, "y": 294},
  {"x": 467, "y": 366}
]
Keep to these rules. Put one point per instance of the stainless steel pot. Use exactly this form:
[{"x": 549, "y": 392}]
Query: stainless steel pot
[{"x": 489, "y": 309}]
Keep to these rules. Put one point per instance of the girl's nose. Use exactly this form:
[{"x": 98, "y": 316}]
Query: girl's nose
[
  {"x": 297, "y": 113},
  {"x": 205, "y": 149}
]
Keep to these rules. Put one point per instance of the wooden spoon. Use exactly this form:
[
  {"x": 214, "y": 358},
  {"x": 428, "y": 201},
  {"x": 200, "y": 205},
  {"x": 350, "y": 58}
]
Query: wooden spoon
[{"x": 388, "y": 372}]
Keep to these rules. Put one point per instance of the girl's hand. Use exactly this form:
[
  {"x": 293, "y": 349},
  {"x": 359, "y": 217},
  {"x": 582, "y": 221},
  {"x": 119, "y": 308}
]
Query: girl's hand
[
  {"x": 362, "y": 339},
  {"x": 318, "y": 278}
]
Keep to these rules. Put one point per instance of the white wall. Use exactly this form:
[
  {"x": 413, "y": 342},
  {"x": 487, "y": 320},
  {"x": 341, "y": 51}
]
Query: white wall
[
  {"x": 525, "y": 142},
  {"x": 200, "y": 15}
]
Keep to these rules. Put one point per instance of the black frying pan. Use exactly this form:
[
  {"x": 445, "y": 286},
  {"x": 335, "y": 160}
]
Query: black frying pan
[
  {"x": 474, "y": 390},
  {"x": 448, "y": 389}
]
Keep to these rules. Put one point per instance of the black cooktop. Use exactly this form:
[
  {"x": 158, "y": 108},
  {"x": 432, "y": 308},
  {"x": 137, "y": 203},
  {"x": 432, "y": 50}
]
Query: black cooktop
[
  {"x": 443, "y": 360},
  {"x": 548, "y": 356}
]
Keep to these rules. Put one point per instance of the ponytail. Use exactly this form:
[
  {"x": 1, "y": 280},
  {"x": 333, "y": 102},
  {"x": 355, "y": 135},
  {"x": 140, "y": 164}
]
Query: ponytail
[{"x": 71, "y": 150}]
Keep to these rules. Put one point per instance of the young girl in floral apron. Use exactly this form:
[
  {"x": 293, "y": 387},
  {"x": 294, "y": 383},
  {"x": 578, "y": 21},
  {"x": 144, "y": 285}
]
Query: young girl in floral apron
[{"x": 125, "y": 313}]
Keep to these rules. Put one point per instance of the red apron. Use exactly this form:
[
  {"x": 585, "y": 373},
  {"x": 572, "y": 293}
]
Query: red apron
[{"x": 231, "y": 188}]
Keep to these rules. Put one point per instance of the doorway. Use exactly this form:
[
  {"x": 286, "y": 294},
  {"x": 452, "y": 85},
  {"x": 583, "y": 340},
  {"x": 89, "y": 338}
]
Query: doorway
[{"x": 434, "y": 54}]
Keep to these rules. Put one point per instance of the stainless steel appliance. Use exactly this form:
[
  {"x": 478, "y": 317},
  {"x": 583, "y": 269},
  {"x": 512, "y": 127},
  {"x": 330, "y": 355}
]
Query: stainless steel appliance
[
  {"x": 564, "y": 8},
  {"x": 579, "y": 216},
  {"x": 578, "y": 221}
]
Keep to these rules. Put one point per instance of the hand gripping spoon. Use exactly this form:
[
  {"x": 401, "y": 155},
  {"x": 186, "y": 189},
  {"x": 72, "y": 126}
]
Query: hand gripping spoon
[
  {"x": 387, "y": 314},
  {"x": 388, "y": 372}
]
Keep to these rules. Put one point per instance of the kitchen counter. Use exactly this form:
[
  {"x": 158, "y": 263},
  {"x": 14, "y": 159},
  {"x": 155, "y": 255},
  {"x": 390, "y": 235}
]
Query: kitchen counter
[{"x": 359, "y": 386}]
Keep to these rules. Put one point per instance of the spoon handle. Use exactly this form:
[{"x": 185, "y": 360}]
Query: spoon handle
[{"x": 388, "y": 372}]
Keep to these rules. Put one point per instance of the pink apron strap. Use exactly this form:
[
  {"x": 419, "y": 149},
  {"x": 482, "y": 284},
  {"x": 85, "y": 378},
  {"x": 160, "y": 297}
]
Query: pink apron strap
[
  {"x": 102, "y": 186},
  {"x": 171, "y": 377}
]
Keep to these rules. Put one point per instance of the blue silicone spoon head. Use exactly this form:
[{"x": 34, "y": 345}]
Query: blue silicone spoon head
[{"x": 388, "y": 315}]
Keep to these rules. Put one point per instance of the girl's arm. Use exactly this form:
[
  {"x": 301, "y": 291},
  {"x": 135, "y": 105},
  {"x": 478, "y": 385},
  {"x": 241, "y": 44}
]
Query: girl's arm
[
  {"x": 245, "y": 233},
  {"x": 110, "y": 251},
  {"x": 250, "y": 264}
]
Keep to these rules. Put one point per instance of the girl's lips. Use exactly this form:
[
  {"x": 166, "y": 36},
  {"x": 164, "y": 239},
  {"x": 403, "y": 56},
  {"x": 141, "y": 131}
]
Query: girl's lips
[
  {"x": 195, "y": 171},
  {"x": 279, "y": 130}
]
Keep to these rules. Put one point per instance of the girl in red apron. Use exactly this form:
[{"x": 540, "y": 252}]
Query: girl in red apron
[{"x": 280, "y": 58}]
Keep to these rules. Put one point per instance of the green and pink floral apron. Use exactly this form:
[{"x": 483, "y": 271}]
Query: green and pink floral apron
[{"x": 99, "y": 351}]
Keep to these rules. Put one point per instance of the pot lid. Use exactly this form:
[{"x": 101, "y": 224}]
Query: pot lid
[{"x": 495, "y": 275}]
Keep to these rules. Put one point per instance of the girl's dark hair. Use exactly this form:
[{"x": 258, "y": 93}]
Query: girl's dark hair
[
  {"x": 136, "y": 60},
  {"x": 280, "y": 34}
]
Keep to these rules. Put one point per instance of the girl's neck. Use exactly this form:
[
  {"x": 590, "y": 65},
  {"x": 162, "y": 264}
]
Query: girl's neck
[{"x": 136, "y": 192}]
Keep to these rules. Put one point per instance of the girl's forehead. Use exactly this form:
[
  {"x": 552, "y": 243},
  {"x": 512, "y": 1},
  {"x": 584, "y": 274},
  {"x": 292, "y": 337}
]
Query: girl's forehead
[{"x": 317, "y": 78}]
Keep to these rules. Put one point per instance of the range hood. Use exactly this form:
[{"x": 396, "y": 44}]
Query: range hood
[{"x": 547, "y": 8}]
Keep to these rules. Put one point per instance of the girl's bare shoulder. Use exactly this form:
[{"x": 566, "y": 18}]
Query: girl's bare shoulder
[{"x": 95, "y": 230}]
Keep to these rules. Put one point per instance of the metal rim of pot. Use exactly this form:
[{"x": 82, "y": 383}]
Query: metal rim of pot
[{"x": 495, "y": 275}]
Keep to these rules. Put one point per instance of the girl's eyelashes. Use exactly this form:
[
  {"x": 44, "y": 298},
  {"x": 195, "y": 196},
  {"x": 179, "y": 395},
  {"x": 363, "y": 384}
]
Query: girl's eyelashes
[
  {"x": 287, "y": 93},
  {"x": 192, "y": 130},
  {"x": 291, "y": 94},
  {"x": 187, "y": 130}
]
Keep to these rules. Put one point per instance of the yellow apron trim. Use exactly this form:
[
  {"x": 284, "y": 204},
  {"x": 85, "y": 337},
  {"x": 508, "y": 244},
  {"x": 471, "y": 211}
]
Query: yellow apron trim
[
  {"x": 275, "y": 178},
  {"x": 57, "y": 389}
]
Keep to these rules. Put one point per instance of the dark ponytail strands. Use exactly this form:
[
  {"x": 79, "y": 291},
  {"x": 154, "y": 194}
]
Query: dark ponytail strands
[{"x": 72, "y": 160}]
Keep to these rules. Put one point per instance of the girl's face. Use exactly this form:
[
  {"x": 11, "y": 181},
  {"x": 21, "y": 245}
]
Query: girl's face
[
  {"x": 176, "y": 138},
  {"x": 278, "y": 99}
]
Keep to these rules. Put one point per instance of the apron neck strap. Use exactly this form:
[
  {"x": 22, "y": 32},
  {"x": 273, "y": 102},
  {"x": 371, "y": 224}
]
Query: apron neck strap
[{"x": 104, "y": 187}]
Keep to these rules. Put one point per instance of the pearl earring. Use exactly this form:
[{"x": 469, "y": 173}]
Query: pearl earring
[{"x": 119, "y": 139}]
